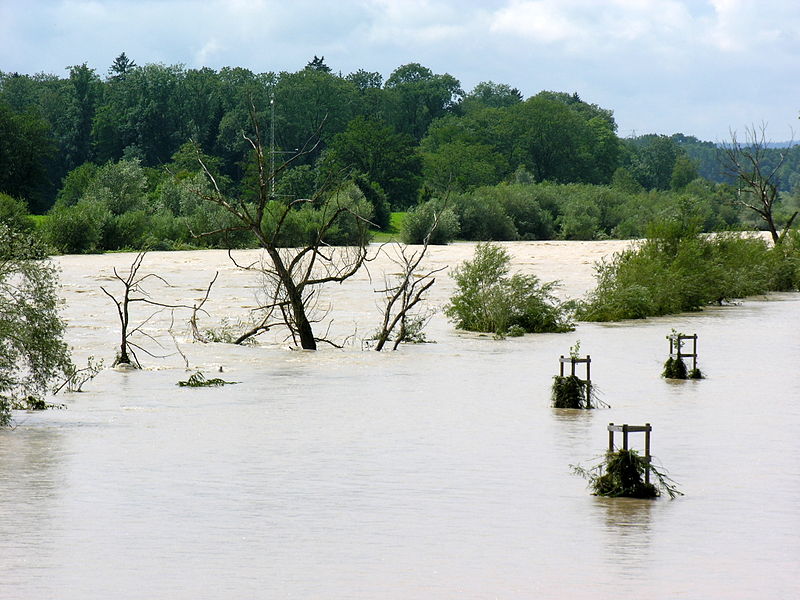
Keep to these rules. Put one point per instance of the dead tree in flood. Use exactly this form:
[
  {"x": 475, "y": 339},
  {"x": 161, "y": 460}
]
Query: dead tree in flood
[
  {"x": 756, "y": 176},
  {"x": 404, "y": 292},
  {"x": 134, "y": 291},
  {"x": 294, "y": 275}
]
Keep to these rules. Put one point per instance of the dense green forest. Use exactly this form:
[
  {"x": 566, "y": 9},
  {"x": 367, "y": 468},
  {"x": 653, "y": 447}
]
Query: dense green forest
[{"x": 112, "y": 158}]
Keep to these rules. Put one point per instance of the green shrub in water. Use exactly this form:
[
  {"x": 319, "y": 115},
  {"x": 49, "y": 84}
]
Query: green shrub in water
[
  {"x": 622, "y": 475},
  {"x": 675, "y": 368},
  {"x": 569, "y": 392},
  {"x": 677, "y": 270},
  {"x": 489, "y": 300}
]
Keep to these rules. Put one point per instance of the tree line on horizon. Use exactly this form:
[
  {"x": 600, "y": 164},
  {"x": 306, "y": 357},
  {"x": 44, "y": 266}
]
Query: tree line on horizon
[{"x": 126, "y": 145}]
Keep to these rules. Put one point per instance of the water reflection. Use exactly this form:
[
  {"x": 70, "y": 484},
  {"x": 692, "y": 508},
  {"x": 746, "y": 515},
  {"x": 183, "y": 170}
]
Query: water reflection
[
  {"x": 32, "y": 479},
  {"x": 626, "y": 525}
]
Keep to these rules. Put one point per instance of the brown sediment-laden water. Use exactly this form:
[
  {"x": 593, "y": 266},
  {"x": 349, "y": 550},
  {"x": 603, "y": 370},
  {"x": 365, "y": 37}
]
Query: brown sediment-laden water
[{"x": 437, "y": 471}]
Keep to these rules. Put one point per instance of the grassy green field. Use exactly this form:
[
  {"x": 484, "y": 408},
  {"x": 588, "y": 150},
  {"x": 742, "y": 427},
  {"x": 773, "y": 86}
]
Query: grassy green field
[
  {"x": 393, "y": 232},
  {"x": 38, "y": 220}
]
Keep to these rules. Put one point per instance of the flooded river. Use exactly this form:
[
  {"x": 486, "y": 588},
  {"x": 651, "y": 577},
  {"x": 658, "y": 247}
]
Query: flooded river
[{"x": 437, "y": 471}]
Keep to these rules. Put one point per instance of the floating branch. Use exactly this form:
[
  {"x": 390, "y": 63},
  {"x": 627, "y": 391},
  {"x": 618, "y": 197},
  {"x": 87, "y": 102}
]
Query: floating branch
[{"x": 199, "y": 380}]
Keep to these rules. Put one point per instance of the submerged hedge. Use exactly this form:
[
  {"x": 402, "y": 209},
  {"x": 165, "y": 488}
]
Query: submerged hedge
[{"x": 678, "y": 270}]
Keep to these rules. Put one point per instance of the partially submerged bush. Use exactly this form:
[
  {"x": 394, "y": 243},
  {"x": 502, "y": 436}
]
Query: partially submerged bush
[
  {"x": 489, "y": 300},
  {"x": 570, "y": 391},
  {"x": 678, "y": 270},
  {"x": 33, "y": 354},
  {"x": 622, "y": 475},
  {"x": 675, "y": 368},
  {"x": 419, "y": 223}
]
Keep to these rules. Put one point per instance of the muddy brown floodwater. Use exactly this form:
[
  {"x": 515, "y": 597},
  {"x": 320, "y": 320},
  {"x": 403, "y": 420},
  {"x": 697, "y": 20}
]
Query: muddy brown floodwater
[{"x": 438, "y": 471}]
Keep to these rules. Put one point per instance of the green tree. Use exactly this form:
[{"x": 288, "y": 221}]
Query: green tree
[
  {"x": 553, "y": 142},
  {"x": 683, "y": 173},
  {"x": 432, "y": 221},
  {"x": 32, "y": 350},
  {"x": 120, "y": 68},
  {"x": 86, "y": 91},
  {"x": 415, "y": 96},
  {"x": 318, "y": 64},
  {"x": 652, "y": 160},
  {"x": 14, "y": 214},
  {"x": 25, "y": 147},
  {"x": 311, "y": 102},
  {"x": 389, "y": 159},
  {"x": 460, "y": 166},
  {"x": 488, "y": 94}
]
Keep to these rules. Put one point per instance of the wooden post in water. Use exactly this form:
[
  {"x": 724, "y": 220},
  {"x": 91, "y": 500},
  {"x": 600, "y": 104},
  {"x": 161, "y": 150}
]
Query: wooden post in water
[
  {"x": 574, "y": 360},
  {"x": 676, "y": 345},
  {"x": 647, "y": 431},
  {"x": 626, "y": 429}
]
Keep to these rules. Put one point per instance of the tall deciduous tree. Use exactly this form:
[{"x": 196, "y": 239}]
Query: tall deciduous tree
[
  {"x": 416, "y": 96},
  {"x": 389, "y": 159},
  {"x": 25, "y": 146},
  {"x": 488, "y": 94}
]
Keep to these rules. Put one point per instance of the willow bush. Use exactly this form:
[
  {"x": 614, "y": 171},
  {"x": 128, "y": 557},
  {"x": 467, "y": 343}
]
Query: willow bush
[
  {"x": 678, "y": 270},
  {"x": 490, "y": 300}
]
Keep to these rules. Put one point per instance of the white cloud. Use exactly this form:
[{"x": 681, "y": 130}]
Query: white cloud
[
  {"x": 209, "y": 53},
  {"x": 745, "y": 26},
  {"x": 589, "y": 26}
]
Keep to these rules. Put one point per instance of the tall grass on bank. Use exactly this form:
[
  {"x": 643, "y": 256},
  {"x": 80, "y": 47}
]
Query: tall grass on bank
[{"x": 678, "y": 270}]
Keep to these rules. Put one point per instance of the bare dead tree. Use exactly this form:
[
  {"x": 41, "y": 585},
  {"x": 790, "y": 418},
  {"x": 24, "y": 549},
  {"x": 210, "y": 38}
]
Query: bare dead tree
[
  {"x": 757, "y": 176},
  {"x": 405, "y": 291},
  {"x": 294, "y": 274},
  {"x": 135, "y": 292},
  {"x": 197, "y": 308}
]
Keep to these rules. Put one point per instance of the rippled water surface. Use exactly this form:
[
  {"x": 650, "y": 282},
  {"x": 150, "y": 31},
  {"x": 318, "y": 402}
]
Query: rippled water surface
[{"x": 438, "y": 471}]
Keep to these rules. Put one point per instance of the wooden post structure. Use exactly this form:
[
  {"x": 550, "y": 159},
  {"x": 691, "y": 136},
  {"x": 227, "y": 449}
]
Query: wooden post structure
[
  {"x": 574, "y": 360},
  {"x": 676, "y": 345},
  {"x": 626, "y": 429}
]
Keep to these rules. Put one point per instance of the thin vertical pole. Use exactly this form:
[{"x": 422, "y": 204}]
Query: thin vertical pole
[
  {"x": 647, "y": 451},
  {"x": 625, "y": 436},
  {"x": 272, "y": 147},
  {"x": 610, "y": 438},
  {"x": 561, "y": 365}
]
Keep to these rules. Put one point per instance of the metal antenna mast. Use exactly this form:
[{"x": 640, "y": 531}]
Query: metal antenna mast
[{"x": 272, "y": 146}]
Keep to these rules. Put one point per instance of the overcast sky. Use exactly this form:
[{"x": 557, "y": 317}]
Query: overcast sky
[{"x": 699, "y": 67}]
